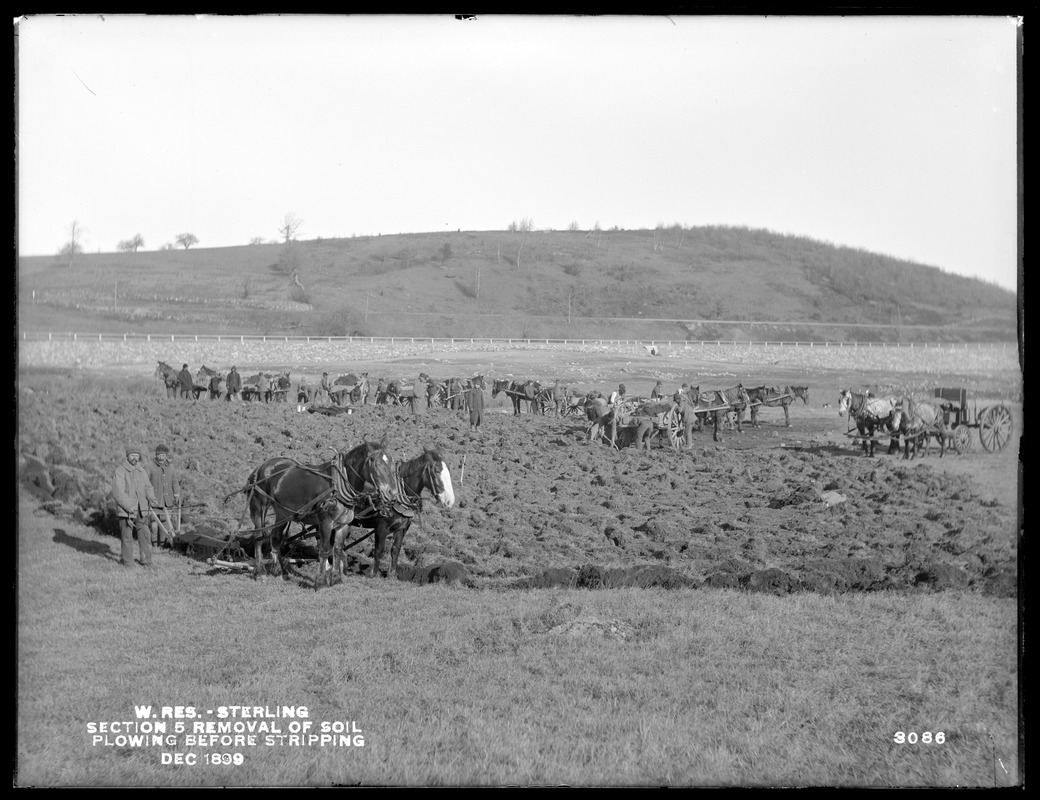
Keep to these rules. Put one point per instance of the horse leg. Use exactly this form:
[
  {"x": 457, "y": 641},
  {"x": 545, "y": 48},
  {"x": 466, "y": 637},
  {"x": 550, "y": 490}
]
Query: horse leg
[
  {"x": 324, "y": 546},
  {"x": 377, "y": 549},
  {"x": 715, "y": 436},
  {"x": 399, "y": 532},
  {"x": 787, "y": 416}
]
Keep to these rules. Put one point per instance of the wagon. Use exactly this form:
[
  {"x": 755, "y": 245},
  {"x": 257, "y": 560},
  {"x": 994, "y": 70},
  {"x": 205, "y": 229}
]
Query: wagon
[
  {"x": 665, "y": 418},
  {"x": 994, "y": 423}
]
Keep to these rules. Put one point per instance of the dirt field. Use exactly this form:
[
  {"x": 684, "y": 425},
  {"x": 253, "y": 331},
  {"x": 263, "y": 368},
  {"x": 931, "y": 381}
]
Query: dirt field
[{"x": 775, "y": 509}]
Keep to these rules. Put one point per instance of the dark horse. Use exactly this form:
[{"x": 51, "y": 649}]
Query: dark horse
[
  {"x": 518, "y": 392},
  {"x": 426, "y": 471},
  {"x": 772, "y": 396},
  {"x": 719, "y": 402},
  {"x": 322, "y": 496}
]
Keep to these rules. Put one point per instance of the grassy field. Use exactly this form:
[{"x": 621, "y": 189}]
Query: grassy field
[{"x": 460, "y": 687}]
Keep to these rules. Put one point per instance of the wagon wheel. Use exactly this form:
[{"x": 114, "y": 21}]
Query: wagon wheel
[
  {"x": 675, "y": 431},
  {"x": 995, "y": 428},
  {"x": 962, "y": 439}
]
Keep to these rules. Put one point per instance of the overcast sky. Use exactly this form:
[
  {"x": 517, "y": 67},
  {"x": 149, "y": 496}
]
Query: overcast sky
[{"x": 892, "y": 134}]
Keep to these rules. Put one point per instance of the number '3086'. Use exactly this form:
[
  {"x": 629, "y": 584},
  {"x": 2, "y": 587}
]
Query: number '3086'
[{"x": 924, "y": 738}]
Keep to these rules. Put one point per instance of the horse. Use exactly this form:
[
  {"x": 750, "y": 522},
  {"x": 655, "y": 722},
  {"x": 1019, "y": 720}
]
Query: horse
[
  {"x": 919, "y": 423},
  {"x": 426, "y": 471},
  {"x": 323, "y": 496},
  {"x": 168, "y": 375},
  {"x": 518, "y": 391},
  {"x": 772, "y": 396},
  {"x": 719, "y": 402},
  {"x": 870, "y": 414}
]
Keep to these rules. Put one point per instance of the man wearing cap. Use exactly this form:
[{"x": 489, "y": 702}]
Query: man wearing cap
[
  {"x": 167, "y": 488},
  {"x": 234, "y": 385},
  {"x": 618, "y": 395},
  {"x": 187, "y": 383},
  {"x": 134, "y": 498}
]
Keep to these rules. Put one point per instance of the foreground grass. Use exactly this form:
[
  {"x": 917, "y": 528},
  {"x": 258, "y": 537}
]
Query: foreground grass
[{"x": 455, "y": 686}]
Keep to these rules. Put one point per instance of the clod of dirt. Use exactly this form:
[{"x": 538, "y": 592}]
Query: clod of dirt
[{"x": 594, "y": 626}]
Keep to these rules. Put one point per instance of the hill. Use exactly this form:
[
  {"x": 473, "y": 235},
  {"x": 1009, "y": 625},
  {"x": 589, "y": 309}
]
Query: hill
[{"x": 699, "y": 283}]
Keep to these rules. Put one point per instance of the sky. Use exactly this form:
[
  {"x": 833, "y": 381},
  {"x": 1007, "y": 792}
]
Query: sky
[{"x": 897, "y": 135}]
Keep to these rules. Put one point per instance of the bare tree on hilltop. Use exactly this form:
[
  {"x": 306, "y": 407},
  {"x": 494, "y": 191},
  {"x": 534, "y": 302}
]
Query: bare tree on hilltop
[
  {"x": 290, "y": 225},
  {"x": 74, "y": 244},
  {"x": 186, "y": 240}
]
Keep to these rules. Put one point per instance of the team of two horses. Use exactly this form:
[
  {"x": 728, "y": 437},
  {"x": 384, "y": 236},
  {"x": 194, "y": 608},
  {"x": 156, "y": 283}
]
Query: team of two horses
[
  {"x": 363, "y": 487},
  {"x": 917, "y": 423}
]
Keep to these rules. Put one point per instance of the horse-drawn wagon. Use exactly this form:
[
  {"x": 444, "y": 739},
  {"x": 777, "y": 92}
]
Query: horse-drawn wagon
[
  {"x": 637, "y": 421},
  {"x": 994, "y": 423}
]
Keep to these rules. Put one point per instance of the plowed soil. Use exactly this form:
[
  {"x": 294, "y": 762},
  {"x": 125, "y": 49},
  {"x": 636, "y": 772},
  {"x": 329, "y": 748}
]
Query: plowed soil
[{"x": 775, "y": 509}]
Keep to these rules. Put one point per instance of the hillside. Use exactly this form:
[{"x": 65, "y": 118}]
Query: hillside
[{"x": 677, "y": 283}]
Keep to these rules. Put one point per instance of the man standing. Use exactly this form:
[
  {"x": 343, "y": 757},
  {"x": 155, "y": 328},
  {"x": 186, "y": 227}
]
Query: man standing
[
  {"x": 475, "y": 396},
  {"x": 684, "y": 397},
  {"x": 167, "y": 488},
  {"x": 263, "y": 388},
  {"x": 324, "y": 391},
  {"x": 134, "y": 498},
  {"x": 234, "y": 385},
  {"x": 187, "y": 384}
]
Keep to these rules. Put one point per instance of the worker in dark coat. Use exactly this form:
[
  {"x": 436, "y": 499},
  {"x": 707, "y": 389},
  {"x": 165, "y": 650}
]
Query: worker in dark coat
[
  {"x": 234, "y": 385},
  {"x": 187, "y": 384},
  {"x": 475, "y": 396}
]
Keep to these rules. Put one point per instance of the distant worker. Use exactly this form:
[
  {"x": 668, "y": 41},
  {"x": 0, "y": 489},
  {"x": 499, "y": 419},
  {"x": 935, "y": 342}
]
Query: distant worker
[
  {"x": 618, "y": 395},
  {"x": 475, "y": 398},
  {"x": 657, "y": 393},
  {"x": 234, "y": 385},
  {"x": 187, "y": 383},
  {"x": 263, "y": 388},
  {"x": 324, "y": 390}
]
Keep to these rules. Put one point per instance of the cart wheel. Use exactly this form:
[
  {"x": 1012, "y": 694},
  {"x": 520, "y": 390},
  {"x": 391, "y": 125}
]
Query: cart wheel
[
  {"x": 675, "y": 431},
  {"x": 962, "y": 439},
  {"x": 995, "y": 428}
]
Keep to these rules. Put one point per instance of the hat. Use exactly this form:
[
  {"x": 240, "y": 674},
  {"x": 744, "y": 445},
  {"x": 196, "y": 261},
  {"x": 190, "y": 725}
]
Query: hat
[
  {"x": 686, "y": 386},
  {"x": 162, "y": 449},
  {"x": 621, "y": 386},
  {"x": 133, "y": 449},
  {"x": 185, "y": 366}
]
